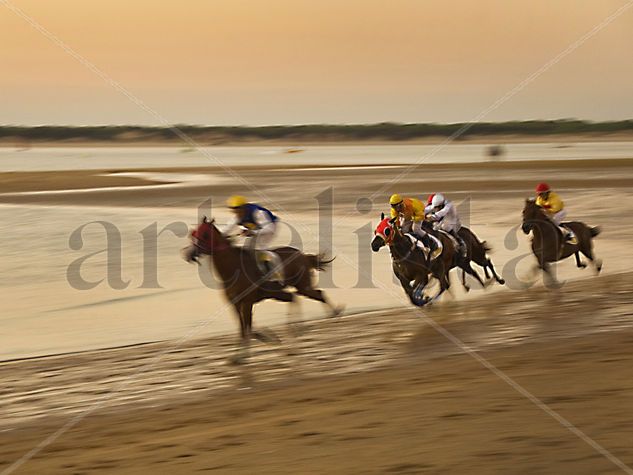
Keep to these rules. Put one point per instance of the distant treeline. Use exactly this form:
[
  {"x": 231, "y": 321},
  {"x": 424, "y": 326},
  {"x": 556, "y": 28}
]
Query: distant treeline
[{"x": 381, "y": 131}]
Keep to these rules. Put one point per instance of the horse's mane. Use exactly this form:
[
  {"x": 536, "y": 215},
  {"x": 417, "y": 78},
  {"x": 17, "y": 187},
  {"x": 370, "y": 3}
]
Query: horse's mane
[{"x": 530, "y": 203}]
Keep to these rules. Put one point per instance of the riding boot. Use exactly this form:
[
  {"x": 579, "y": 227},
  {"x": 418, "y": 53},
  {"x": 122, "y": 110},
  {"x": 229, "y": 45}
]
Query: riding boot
[
  {"x": 429, "y": 243},
  {"x": 273, "y": 270},
  {"x": 567, "y": 234},
  {"x": 461, "y": 245}
]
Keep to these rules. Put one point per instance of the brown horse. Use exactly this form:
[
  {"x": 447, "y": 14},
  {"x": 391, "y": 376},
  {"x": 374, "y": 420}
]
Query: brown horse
[
  {"x": 477, "y": 252},
  {"x": 549, "y": 244},
  {"x": 409, "y": 262},
  {"x": 245, "y": 284}
]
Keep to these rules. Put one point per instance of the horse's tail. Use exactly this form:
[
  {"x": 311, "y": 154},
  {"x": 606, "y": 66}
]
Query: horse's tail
[
  {"x": 318, "y": 261},
  {"x": 486, "y": 246},
  {"x": 595, "y": 231}
]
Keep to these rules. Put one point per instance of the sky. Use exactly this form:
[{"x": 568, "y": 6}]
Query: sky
[{"x": 259, "y": 62}]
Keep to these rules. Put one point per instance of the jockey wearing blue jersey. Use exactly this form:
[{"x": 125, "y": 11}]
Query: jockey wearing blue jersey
[{"x": 258, "y": 223}]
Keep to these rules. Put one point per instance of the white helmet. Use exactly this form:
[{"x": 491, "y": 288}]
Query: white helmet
[{"x": 438, "y": 200}]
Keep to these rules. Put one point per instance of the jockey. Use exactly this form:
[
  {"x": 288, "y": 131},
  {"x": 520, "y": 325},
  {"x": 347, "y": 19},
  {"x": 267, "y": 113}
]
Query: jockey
[
  {"x": 429, "y": 204},
  {"x": 258, "y": 224},
  {"x": 411, "y": 214},
  {"x": 444, "y": 213},
  {"x": 550, "y": 202},
  {"x": 553, "y": 206}
]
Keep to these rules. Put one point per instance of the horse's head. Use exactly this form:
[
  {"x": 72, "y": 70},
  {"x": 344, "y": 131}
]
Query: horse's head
[
  {"x": 383, "y": 235},
  {"x": 206, "y": 238},
  {"x": 531, "y": 213}
]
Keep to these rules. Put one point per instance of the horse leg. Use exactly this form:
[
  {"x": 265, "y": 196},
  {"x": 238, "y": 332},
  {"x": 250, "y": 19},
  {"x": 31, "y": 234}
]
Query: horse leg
[
  {"x": 549, "y": 280},
  {"x": 445, "y": 284},
  {"x": 476, "y": 275},
  {"x": 405, "y": 283},
  {"x": 243, "y": 346},
  {"x": 316, "y": 294},
  {"x": 280, "y": 295},
  {"x": 587, "y": 251},
  {"x": 295, "y": 317},
  {"x": 494, "y": 272},
  {"x": 466, "y": 287},
  {"x": 579, "y": 263},
  {"x": 263, "y": 335}
]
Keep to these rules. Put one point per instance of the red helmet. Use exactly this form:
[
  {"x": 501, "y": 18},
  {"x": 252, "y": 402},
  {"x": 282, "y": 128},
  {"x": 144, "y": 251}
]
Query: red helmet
[
  {"x": 430, "y": 200},
  {"x": 542, "y": 188}
]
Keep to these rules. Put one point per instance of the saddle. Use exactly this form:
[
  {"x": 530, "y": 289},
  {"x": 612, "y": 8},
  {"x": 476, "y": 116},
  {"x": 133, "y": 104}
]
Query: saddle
[
  {"x": 417, "y": 242},
  {"x": 452, "y": 238},
  {"x": 270, "y": 265},
  {"x": 568, "y": 234}
]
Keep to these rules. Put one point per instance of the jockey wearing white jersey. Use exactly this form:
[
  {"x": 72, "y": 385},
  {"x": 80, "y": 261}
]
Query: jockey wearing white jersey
[{"x": 444, "y": 213}]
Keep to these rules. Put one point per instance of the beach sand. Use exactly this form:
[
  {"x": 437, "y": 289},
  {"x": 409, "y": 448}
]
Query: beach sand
[
  {"x": 378, "y": 393},
  {"x": 372, "y": 392}
]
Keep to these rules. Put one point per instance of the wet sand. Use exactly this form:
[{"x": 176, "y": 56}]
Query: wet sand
[
  {"x": 279, "y": 184},
  {"x": 377, "y": 393}
]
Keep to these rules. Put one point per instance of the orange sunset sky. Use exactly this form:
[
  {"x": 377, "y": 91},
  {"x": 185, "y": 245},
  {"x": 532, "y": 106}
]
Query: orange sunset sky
[{"x": 304, "y": 61}]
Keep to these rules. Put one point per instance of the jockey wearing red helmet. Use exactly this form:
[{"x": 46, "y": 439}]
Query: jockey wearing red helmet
[
  {"x": 550, "y": 202},
  {"x": 429, "y": 204},
  {"x": 553, "y": 207}
]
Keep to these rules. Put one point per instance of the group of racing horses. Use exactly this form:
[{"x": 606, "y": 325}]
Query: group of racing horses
[{"x": 245, "y": 284}]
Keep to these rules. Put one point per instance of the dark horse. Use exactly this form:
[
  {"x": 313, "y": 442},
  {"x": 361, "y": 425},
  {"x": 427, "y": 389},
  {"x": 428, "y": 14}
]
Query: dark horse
[
  {"x": 409, "y": 262},
  {"x": 549, "y": 244},
  {"x": 245, "y": 284},
  {"x": 476, "y": 251}
]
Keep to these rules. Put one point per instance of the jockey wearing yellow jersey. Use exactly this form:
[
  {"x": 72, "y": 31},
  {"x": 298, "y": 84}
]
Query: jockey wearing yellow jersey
[
  {"x": 553, "y": 206},
  {"x": 410, "y": 212},
  {"x": 550, "y": 202}
]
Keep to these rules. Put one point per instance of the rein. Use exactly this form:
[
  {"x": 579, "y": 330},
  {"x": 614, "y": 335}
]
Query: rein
[
  {"x": 535, "y": 226},
  {"x": 198, "y": 244},
  {"x": 404, "y": 258}
]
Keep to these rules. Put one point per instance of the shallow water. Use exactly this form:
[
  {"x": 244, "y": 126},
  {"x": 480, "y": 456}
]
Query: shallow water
[
  {"x": 44, "y": 312},
  {"x": 58, "y": 158}
]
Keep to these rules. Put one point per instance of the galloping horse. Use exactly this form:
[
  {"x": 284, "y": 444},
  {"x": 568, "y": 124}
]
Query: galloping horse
[
  {"x": 476, "y": 251},
  {"x": 409, "y": 262},
  {"x": 245, "y": 284},
  {"x": 549, "y": 244}
]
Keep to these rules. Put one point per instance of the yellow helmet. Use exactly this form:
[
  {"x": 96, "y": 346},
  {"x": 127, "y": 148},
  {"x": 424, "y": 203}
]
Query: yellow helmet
[
  {"x": 236, "y": 201},
  {"x": 395, "y": 199}
]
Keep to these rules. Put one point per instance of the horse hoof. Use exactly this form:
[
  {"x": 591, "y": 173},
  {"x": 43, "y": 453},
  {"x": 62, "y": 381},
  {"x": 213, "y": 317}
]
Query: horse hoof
[
  {"x": 337, "y": 311},
  {"x": 466, "y": 288},
  {"x": 267, "y": 336},
  {"x": 297, "y": 329},
  {"x": 501, "y": 281},
  {"x": 236, "y": 360},
  {"x": 423, "y": 301},
  {"x": 598, "y": 266}
]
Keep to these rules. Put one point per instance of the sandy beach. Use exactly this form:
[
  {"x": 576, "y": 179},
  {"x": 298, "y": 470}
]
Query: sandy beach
[{"x": 376, "y": 391}]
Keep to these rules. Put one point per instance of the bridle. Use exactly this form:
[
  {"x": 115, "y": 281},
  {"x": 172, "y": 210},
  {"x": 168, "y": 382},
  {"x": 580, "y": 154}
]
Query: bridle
[{"x": 201, "y": 245}]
